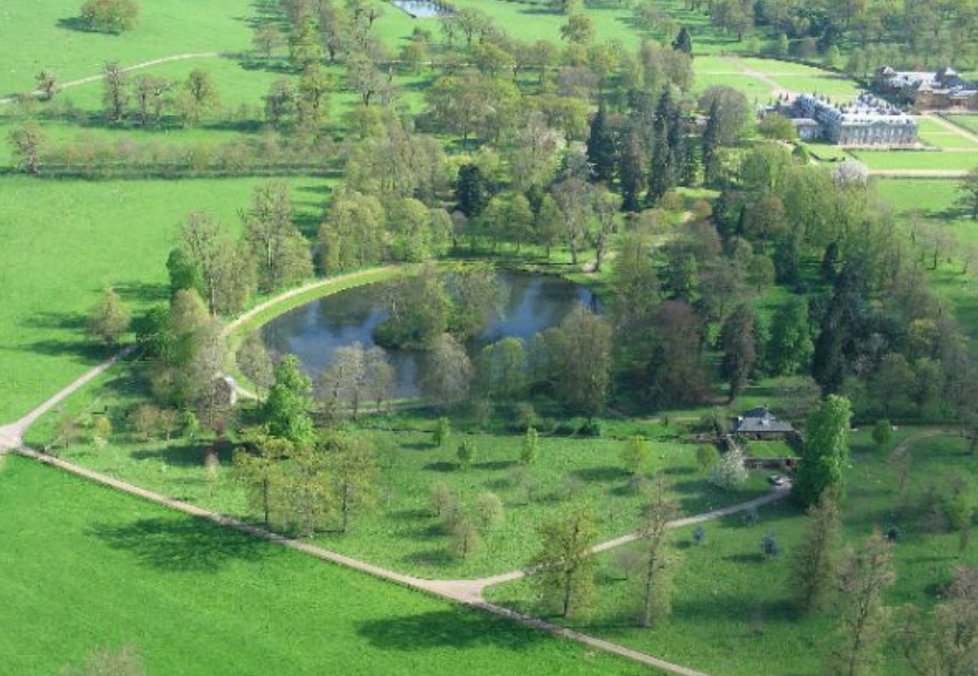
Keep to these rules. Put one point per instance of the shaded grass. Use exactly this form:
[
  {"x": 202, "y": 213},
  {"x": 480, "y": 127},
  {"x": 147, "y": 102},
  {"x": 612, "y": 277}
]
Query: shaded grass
[{"x": 193, "y": 597}]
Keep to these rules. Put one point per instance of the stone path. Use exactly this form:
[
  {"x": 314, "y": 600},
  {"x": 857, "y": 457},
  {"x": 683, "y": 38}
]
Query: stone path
[{"x": 138, "y": 66}]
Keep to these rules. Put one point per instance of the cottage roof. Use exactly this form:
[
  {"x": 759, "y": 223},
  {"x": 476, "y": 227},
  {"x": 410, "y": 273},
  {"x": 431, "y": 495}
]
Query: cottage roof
[{"x": 760, "y": 420}]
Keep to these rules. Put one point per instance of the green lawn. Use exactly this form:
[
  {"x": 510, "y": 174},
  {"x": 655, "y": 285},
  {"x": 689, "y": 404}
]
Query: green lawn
[
  {"x": 947, "y": 139},
  {"x": 400, "y": 531},
  {"x": 65, "y": 240},
  {"x": 920, "y": 160},
  {"x": 968, "y": 121},
  {"x": 732, "y": 614},
  {"x": 46, "y": 39},
  {"x": 87, "y": 567}
]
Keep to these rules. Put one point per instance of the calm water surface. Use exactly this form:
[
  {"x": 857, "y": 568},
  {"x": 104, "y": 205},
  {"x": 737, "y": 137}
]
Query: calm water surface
[{"x": 528, "y": 304}]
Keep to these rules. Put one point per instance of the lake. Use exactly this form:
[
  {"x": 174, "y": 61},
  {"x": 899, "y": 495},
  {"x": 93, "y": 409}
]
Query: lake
[
  {"x": 529, "y": 303},
  {"x": 422, "y": 9}
]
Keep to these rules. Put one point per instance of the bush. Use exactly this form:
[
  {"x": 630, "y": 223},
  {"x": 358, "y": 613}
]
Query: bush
[
  {"x": 770, "y": 547},
  {"x": 101, "y": 430},
  {"x": 707, "y": 456},
  {"x": 109, "y": 16},
  {"x": 882, "y": 433},
  {"x": 729, "y": 472},
  {"x": 591, "y": 428},
  {"x": 526, "y": 416},
  {"x": 531, "y": 446},
  {"x": 145, "y": 421},
  {"x": 441, "y": 499},
  {"x": 489, "y": 512},
  {"x": 699, "y": 533},
  {"x": 443, "y": 432},
  {"x": 465, "y": 454}
]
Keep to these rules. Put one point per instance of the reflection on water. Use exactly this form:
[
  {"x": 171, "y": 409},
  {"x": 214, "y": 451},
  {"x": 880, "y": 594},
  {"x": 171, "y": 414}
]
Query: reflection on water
[
  {"x": 422, "y": 8},
  {"x": 530, "y": 303}
]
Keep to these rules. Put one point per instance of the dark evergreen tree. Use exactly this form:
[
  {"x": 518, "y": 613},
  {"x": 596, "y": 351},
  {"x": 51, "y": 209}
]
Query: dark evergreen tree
[
  {"x": 661, "y": 174},
  {"x": 601, "y": 149},
  {"x": 738, "y": 340},
  {"x": 683, "y": 42},
  {"x": 471, "y": 190},
  {"x": 631, "y": 173},
  {"x": 711, "y": 159},
  {"x": 829, "y": 262}
]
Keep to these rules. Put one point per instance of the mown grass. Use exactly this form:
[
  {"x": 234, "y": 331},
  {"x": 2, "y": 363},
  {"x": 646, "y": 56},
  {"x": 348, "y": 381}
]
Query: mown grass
[
  {"x": 64, "y": 241},
  {"x": 732, "y": 611},
  {"x": 46, "y": 37},
  {"x": 400, "y": 530},
  {"x": 916, "y": 160},
  {"x": 969, "y": 122},
  {"x": 87, "y": 567}
]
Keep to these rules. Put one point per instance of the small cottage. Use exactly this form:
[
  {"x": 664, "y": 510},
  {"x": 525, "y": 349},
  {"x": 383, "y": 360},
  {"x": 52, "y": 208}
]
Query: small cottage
[{"x": 760, "y": 423}]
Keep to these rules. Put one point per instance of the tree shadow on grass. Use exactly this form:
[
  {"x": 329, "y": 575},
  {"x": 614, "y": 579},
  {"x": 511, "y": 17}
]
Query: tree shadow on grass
[
  {"x": 180, "y": 544},
  {"x": 607, "y": 473},
  {"x": 143, "y": 292},
  {"x": 451, "y": 628},
  {"x": 438, "y": 558},
  {"x": 185, "y": 455},
  {"x": 442, "y": 466}
]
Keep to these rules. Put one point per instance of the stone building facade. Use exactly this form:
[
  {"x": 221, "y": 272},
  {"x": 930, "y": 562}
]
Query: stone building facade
[
  {"x": 927, "y": 90},
  {"x": 867, "y": 121}
]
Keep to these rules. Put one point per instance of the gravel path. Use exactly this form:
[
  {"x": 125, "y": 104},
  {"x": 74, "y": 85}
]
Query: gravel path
[{"x": 11, "y": 435}]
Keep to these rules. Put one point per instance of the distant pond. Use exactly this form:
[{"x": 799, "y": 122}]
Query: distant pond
[
  {"x": 422, "y": 9},
  {"x": 529, "y": 304}
]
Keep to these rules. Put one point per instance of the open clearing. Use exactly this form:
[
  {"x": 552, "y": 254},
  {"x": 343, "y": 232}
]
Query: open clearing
[
  {"x": 183, "y": 592},
  {"x": 46, "y": 38}
]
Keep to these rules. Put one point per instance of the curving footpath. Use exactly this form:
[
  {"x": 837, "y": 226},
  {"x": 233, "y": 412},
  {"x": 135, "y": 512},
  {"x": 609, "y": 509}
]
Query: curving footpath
[
  {"x": 138, "y": 66},
  {"x": 467, "y": 592}
]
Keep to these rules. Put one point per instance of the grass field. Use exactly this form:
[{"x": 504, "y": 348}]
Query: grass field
[
  {"x": 968, "y": 121},
  {"x": 66, "y": 240},
  {"x": 46, "y": 39},
  {"x": 757, "y": 77},
  {"x": 400, "y": 530},
  {"x": 86, "y": 567},
  {"x": 919, "y": 160},
  {"x": 731, "y": 612}
]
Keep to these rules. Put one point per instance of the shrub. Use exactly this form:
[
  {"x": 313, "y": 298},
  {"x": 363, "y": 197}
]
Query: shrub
[
  {"x": 145, "y": 421},
  {"x": 770, "y": 547},
  {"x": 531, "y": 446},
  {"x": 101, "y": 430},
  {"x": 635, "y": 455},
  {"x": 466, "y": 541},
  {"x": 465, "y": 454},
  {"x": 729, "y": 472},
  {"x": 109, "y": 16},
  {"x": 441, "y": 499},
  {"x": 707, "y": 456},
  {"x": 699, "y": 533},
  {"x": 591, "y": 428},
  {"x": 489, "y": 512},
  {"x": 882, "y": 433},
  {"x": 750, "y": 517},
  {"x": 443, "y": 432}
]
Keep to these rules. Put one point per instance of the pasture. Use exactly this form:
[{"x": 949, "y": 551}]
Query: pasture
[{"x": 88, "y": 568}]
